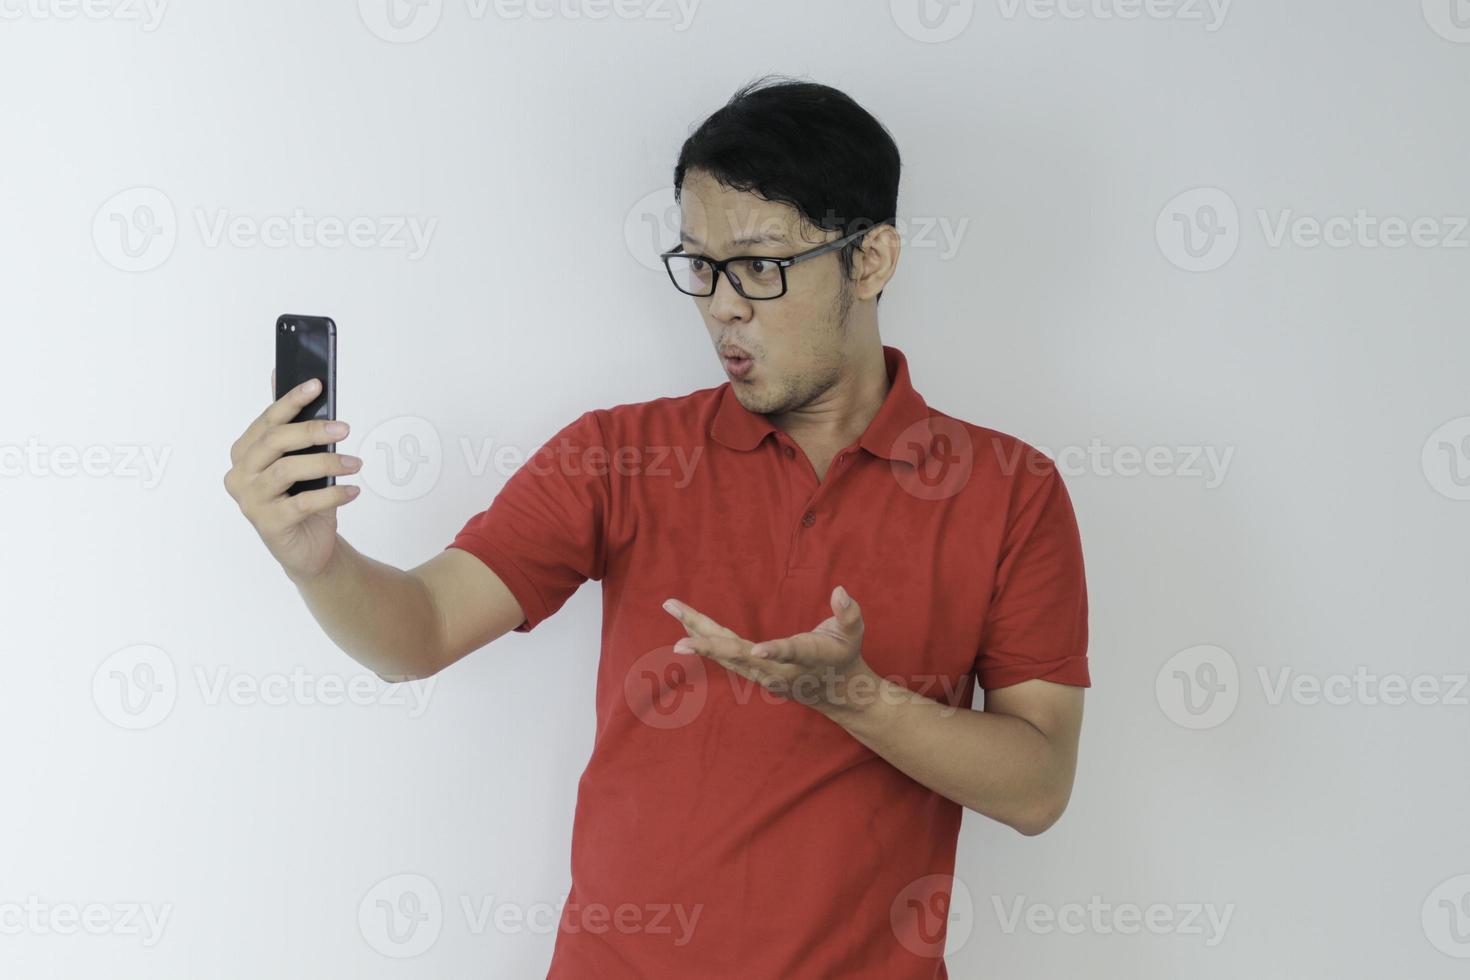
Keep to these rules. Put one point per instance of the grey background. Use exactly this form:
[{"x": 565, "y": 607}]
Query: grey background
[{"x": 1068, "y": 153}]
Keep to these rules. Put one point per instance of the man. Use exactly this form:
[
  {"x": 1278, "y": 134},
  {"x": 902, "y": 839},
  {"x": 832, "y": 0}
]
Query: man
[{"x": 805, "y": 570}]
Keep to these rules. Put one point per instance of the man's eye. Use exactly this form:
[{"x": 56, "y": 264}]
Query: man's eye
[
  {"x": 762, "y": 270},
  {"x": 697, "y": 265}
]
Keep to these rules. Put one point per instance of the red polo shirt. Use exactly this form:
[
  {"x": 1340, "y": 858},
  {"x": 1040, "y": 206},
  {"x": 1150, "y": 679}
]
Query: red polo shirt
[{"x": 721, "y": 831}]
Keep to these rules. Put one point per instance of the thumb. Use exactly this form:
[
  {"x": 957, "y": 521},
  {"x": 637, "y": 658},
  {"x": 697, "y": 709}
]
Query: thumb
[{"x": 845, "y": 608}]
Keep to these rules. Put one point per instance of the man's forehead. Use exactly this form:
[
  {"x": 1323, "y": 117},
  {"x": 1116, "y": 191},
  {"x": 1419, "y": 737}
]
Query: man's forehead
[{"x": 710, "y": 210}]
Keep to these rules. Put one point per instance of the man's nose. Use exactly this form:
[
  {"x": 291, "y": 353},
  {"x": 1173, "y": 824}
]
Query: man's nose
[{"x": 727, "y": 304}]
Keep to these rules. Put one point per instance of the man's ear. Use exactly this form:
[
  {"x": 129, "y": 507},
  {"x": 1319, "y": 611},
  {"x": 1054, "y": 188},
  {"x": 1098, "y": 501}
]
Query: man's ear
[{"x": 875, "y": 261}]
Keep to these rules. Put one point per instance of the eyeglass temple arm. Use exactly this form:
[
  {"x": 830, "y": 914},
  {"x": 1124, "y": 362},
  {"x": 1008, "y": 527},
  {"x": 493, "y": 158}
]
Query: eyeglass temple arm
[{"x": 824, "y": 249}]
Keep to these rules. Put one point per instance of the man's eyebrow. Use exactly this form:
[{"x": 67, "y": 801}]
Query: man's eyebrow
[{"x": 742, "y": 242}]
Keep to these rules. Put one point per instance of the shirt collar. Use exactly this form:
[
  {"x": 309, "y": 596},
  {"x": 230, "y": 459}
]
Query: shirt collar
[{"x": 737, "y": 427}]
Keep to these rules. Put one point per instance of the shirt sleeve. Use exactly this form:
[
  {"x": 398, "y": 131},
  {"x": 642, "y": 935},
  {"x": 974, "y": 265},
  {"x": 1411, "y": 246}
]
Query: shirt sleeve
[
  {"x": 1036, "y": 625},
  {"x": 544, "y": 534}
]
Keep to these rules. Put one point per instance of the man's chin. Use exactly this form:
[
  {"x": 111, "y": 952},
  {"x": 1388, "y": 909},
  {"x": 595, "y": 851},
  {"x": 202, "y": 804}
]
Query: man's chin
[{"x": 752, "y": 398}]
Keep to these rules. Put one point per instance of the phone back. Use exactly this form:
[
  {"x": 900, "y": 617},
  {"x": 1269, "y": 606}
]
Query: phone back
[{"x": 306, "y": 348}]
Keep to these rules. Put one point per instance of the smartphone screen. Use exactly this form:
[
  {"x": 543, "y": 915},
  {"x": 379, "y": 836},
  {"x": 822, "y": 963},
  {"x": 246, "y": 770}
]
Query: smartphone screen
[{"x": 306, "y": 348}]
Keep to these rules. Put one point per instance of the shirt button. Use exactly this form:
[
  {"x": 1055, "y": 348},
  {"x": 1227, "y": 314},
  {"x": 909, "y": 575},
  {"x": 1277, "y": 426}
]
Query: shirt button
[
  {"x": 808, "y": 519},
  {"x": 790, "y": 453}
]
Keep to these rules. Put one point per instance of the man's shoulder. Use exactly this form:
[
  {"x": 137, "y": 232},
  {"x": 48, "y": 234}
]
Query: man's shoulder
[
  {"x": 993, "y": 456},
  {"x": 684, "y": 418},
  {"x": 675, "y": 405}
]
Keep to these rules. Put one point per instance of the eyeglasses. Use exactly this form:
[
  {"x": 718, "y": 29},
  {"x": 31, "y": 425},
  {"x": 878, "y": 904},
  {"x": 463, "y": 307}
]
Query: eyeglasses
[{"x": 753, "y": 276}]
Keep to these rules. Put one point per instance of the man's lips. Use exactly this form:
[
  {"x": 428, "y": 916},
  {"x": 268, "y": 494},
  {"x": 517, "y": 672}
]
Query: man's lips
[{"x": 737, "y": 365}]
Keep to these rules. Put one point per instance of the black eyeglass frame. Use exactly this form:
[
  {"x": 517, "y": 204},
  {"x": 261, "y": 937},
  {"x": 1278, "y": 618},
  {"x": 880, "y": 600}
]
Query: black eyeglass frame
[{"x": 782, "y": 263}]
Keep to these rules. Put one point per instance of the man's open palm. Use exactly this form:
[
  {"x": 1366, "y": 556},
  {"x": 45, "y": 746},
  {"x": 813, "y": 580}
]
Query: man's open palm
[{"x": 807, "y": 667}]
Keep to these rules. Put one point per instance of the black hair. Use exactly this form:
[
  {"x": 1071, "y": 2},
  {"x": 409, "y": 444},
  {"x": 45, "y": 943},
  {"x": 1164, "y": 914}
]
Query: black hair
[{"x": 803, "y": 144}]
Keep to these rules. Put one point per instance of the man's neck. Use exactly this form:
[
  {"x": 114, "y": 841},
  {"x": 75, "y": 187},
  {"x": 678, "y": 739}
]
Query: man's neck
[{"x": 842, "y": 413}]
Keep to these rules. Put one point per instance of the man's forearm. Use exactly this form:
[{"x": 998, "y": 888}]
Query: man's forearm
[
  {"x": 995, "y": 764},
  {"x": 381, "y": 616}
]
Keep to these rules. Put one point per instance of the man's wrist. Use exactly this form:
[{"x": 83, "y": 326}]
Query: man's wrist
[
  {"x": 304, "y": 580},
  {"x": 858, "y": 700}
]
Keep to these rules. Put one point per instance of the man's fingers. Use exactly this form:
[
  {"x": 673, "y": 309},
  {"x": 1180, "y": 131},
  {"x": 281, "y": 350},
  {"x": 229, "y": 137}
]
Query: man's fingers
[
  {"x": 813, "y": 648},
  {"x": 278, "y": 412},
  {"x": 695, "y": 622},
  {"x": 290, "y": 510},
  {"x": 286, "y": 407},
  {"x": 709, "y": 647},
  {"x": 726, "y": 650},
  {"x": 308, "y": 466},
  {"x": 281, "y": 410},
  {"x": 848, "y": 613},
  {"x": 803, "y": 648},
  {"x": 279, "y": 440},
  {"x": 779, "y": 651},
  {"x": 733, "y": 654}
]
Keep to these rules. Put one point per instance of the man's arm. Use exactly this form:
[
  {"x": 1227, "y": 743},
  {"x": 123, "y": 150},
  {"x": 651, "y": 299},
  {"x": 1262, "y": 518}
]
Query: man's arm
[
  {"x": 401, "y": 625},
  {"x": 510, "y": 567},
  {"x": 1014, "y": 762},
  {"x": 407, "y": 625}
]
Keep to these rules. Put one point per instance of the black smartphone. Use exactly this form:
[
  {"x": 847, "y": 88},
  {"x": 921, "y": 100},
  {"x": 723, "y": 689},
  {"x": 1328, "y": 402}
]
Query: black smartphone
[{"x": 306, "y": 348}]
